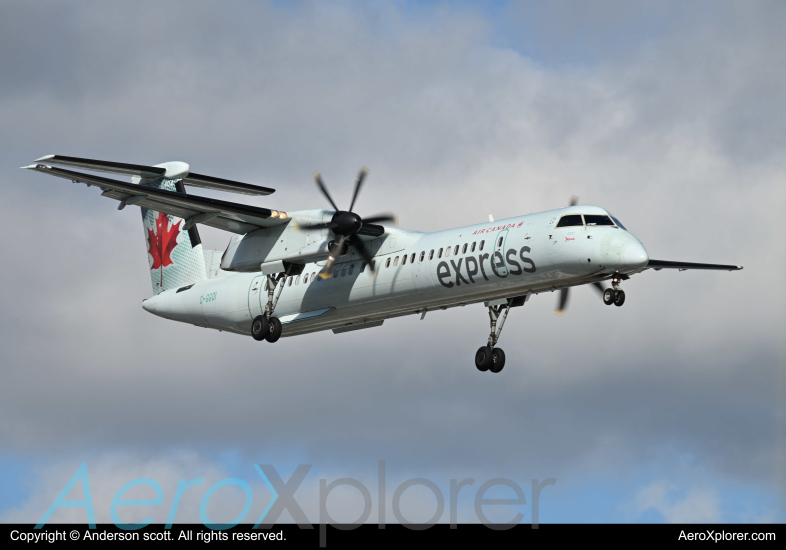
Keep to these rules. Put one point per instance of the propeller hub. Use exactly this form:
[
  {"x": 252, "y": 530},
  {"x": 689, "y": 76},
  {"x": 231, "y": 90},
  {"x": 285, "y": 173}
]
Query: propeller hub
[{"x": 347, "y": 223}]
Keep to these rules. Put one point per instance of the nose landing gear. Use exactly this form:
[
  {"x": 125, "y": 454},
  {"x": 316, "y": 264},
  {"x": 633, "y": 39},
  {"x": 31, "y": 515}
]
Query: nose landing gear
[
  {"x": 490, "y": 358},
  {"x": 614, "y": 295}
]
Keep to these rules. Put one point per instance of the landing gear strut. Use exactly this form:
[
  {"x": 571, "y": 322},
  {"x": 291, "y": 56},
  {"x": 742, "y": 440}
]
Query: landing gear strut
[
  {"x": 489, "y": 358},
  {"x": 614, "y": 295},
  {"x": 267, "y": 327}
]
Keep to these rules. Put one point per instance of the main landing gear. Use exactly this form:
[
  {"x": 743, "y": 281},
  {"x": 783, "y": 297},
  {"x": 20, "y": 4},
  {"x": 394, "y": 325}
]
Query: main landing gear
[
  {"x": 489, "y": 358},
  {"x": 614, "y": 295},
  {"x": 267, "y": 327}
]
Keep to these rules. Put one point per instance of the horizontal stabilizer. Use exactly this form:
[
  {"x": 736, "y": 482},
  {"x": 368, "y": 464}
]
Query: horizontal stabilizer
[
  {"x": 229, "y": 216},
  {"x": 661, "y": 264},
  {"x": 171, "y": 170}
]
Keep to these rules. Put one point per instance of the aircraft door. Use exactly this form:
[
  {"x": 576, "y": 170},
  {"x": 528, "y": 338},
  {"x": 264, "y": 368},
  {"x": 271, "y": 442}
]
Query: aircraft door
[
  {"x": 257, "y": 296},
  {"x": 500, "y": 264}
]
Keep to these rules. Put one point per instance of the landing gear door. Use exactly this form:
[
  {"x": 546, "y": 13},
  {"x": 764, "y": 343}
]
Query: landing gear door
[
  {"x": 500, "y": 265},
  {"x": 257, "y": 296}
]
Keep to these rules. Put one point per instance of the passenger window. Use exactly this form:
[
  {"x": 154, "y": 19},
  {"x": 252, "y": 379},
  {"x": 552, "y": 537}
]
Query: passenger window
[
  {"x": 343, "y": 271},
  {"x": 447, "y": 252},
  {"x": 387, "y": 263},
  {"x": 404, "y": 260},
  {"x": 290, "y": 282},
  {"x": 571, "y": 220},
  {"x": 455, "y": 250},
  {"x": 373, "y": 266},
  {"x": 312, "y": 276},
  {"x": 499, "y": 244},
  {"x": 412, "y": 258},
  {"x": 472, "y": 248},
  {"x": 363, "y": 267},
  {"x": 431, "y": 255},
  {"x": 422, "y": 256},
  {"x": 597, "y": 220},
  {"x": 351, "y": 269},
  {"x": 297, "y": 280},
  {"x": 336, "y": 272},
  {"x": 481, "y": 244},
  {"x": 265, "y": 287},
  {"x": 464, "y": 249},
  {"x": 395, "y": 261},
  {"x": 439, "y": 254}
]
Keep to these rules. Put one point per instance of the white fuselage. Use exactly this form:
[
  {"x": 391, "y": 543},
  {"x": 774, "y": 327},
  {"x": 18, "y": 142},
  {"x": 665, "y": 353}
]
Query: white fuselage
[{"x": 501, "y": 259}]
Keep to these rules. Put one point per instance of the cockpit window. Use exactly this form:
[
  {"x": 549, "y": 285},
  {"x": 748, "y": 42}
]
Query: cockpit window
[
  {"x": 571, "y": 220},
  {"x": 594, "y": 219},
  {"x": 618, "y": 223}
]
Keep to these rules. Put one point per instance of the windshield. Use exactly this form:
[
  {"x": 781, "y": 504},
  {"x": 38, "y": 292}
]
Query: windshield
[
  {"x": 618, "y": 223},
  {"x": 594, "y": 219}
]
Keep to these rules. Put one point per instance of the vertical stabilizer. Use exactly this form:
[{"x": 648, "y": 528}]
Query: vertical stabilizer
[{"x": 174, "y": 254}]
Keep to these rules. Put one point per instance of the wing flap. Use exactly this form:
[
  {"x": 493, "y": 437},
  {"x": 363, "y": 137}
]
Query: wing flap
[
  {"x": 234, "y": 217},
  {"x": 662, "y": 264}
]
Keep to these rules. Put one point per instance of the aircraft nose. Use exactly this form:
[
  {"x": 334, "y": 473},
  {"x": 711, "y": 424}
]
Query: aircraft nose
[{"x": 635, "y": 256}]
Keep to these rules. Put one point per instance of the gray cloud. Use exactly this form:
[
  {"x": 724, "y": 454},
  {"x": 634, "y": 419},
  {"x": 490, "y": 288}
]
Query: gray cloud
[{"x": 681, "y": 135}]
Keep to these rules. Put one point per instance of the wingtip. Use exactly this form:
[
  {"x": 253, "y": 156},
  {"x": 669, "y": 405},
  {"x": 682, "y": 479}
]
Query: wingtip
[
  {"x": 46, "y": 157},
  {"x": 29, "y": 167}
]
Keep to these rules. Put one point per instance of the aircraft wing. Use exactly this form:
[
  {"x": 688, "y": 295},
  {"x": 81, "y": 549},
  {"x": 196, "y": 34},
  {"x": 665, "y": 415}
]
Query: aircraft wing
[
  {"x": 661, "y": 264},
  {"x": 229, "y": 216}
]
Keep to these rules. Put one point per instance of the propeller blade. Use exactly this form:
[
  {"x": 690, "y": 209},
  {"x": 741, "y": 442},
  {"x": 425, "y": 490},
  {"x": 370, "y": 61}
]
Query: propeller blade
[
  {"x": 357, "y": 243},
  {"x": 599, "y": 287},
  {"x": 574, "y": 200},
  {"x": 387, "y": 217},
  {"x": 371, "y": 230},
  {"x": 358, "y": 183},
  {"x": 563, "y": 301},
  {"x": 325, "y": 272},
  {"x": 321, "y": 185},
  {"x": 328, "y": 225}
]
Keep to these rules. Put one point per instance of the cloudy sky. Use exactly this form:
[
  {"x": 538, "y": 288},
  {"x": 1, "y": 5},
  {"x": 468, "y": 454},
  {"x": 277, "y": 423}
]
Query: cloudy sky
[{"x": 671, "y": 116}]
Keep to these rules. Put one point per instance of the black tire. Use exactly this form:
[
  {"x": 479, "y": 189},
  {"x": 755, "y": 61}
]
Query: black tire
[
  {"x": 483, "y": 359},
  {"x": 275, "y": 330},
  {"x": 619, "y": 298},
  {"x": 260, "y": 328},
  {"x": 608, "y": 296},
  {"x": 498, "y": 358}
]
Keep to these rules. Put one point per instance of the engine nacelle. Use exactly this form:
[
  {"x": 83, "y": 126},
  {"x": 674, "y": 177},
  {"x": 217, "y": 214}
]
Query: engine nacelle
[{"x": 281, "y": 243}]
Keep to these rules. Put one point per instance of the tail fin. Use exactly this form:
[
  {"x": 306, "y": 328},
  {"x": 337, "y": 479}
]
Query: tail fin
[{"x": 174, "y": 254}]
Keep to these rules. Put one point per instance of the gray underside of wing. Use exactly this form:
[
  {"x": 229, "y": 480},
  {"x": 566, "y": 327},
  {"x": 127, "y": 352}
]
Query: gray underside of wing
[{"x": 662, "y": 264}]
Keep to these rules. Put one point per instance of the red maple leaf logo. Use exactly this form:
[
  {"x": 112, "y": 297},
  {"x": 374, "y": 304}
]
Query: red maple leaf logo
[{"x": 163, "y": 241}]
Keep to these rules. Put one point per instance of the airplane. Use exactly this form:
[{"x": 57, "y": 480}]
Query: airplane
[{"x": 292, "y": 273}]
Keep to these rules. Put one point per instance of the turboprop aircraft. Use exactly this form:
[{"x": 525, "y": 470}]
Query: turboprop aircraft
[{"x": 292, "y": 273}]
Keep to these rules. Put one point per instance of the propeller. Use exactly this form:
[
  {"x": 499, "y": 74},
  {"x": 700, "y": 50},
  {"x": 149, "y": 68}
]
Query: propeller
[
  {"x": 564, "y": 293},
  {"x": 347, "y": 225}
]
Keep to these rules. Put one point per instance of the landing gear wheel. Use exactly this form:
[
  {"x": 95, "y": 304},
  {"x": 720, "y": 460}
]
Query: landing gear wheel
[
  {"x": 608, "y": 296},
  {"x": 260, "y": 328},
  {"x": 619, "y": 298},
  {"x": 483, "y": 358},
  {"x": 275, "y": 330},
  {"x": 498, "y": 359}
]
